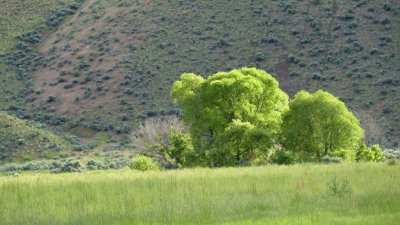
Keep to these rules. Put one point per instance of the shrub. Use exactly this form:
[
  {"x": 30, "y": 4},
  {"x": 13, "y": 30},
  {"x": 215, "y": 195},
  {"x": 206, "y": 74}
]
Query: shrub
[
  {"x": 31, "y": 166},
  {"x": 260, "y": 56},
  {"x": 376, "y": 149},
  {"x": 331, "y": 159},
  {"x": 180, "y": 150},
  {"x": 337, "y": 188},
  {"x": 143, "y": 163},
  {"x": 106, "y": 164},
  {"x": 9, "y": 167},
  {"x": 373, "y": 154},
  {"x": 32, "y": 37},
  {"x": 392, "y": 162},
  {"x": 68, "y": 86},
  {"x": 164, "y": 138},
  {"x": 93, "y": 165},
  {"x": 282, "y": 157},
  {"x": 70, "y": 165},
  {"x": 391, "y": 153},
  {"x": 51, "y": 98}
]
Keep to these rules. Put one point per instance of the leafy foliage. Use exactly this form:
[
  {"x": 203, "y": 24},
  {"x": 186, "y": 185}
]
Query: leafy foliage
[
  {"x": 319, "y": 124},
  {"x": 180, "y": 150},
  {"x": 232, "y": 114},
  {"x": 282, "y": 157},
  {"x": 143, "y": 163},
  {"x": 372, "y": 154}
]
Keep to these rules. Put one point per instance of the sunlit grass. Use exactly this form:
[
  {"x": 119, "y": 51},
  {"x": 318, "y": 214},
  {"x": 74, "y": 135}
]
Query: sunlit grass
[{"x": 262, "y": 195}]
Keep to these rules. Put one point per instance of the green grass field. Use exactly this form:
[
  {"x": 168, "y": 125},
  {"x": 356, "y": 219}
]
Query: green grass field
[{"x": 298, "y": 194}]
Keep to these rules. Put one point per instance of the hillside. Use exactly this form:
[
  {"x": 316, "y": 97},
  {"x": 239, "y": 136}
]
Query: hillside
[
  {"x": 23, "y": 141},
  {"x": 112, "y": 64},
  {"x": 20, "y": 17},
  {"x": 23, "y": 24}
]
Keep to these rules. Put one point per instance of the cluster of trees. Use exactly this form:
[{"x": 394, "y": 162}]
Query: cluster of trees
[{"x": 242, "y": 116}]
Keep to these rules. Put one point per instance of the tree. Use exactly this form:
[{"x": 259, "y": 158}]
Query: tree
[
  {"x": 232, "y": 115},
  {"x": 164, "y": 139},
  {"x": 155, "y": 131},
  {"x": 320, "y": 124}
]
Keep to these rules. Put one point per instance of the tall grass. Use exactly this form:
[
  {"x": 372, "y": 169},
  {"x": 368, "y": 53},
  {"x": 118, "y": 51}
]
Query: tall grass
[{"x": 296, "y": 194}]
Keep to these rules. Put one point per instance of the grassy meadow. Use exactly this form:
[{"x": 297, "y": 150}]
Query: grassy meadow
[{"x": 367, "y": 193}]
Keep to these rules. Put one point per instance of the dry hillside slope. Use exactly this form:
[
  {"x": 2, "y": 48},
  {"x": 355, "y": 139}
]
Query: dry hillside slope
[{"x": 113, "y": 63}]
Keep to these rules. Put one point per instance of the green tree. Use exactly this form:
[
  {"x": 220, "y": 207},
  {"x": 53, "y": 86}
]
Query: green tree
[
  {"x": 319, "y": 124},
  {"x": 179, "y": 150},
  {"x": 232, "y": 115}
]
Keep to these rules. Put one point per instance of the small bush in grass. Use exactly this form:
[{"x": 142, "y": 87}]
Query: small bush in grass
[
  {"x": 143, "y": 163},
  {"x": 392, "y": 162},
  {"x": 340, "y": 189},
  {"x": 282, "y": 157},
  {"x": 329, "y": 159},
  {"x": 391, "y": 153},
  {"x": 31, "y": 166},
  {"x": 69, "y": 166},
  {"x": 9, "y": 167}
]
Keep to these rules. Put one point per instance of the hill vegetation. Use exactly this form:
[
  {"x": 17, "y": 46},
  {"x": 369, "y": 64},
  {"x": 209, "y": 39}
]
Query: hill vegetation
[
  {"x": 23, "y": 141},
  {"x": 20, "y": 17},
  {"x": 125, "y": 55},
  {"x": 111, "y": 64},
  {"x": 24, "y": 24}
]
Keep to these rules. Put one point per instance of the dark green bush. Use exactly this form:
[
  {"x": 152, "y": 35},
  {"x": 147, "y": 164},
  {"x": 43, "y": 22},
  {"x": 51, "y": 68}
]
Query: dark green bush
[
  {"x": 51, "y": 99},
  {"x": 70, "y": 165},
  {"x": 282, "y": 158},
  {"x": 32, "y": 37},
  {"x": 260, "y": 56}
]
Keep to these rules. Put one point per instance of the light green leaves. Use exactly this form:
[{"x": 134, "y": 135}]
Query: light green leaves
[
  {"x": 235, "y": 115},
  {"x": 319, "y": 124},
  {"x": 241, "y": 109}
]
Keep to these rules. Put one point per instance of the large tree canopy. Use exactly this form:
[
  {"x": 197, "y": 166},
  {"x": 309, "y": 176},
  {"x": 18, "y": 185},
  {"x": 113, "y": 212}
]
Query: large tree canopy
[
  {"x": 319, "y": 124},
  {"x": 231, "y": 115}
]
